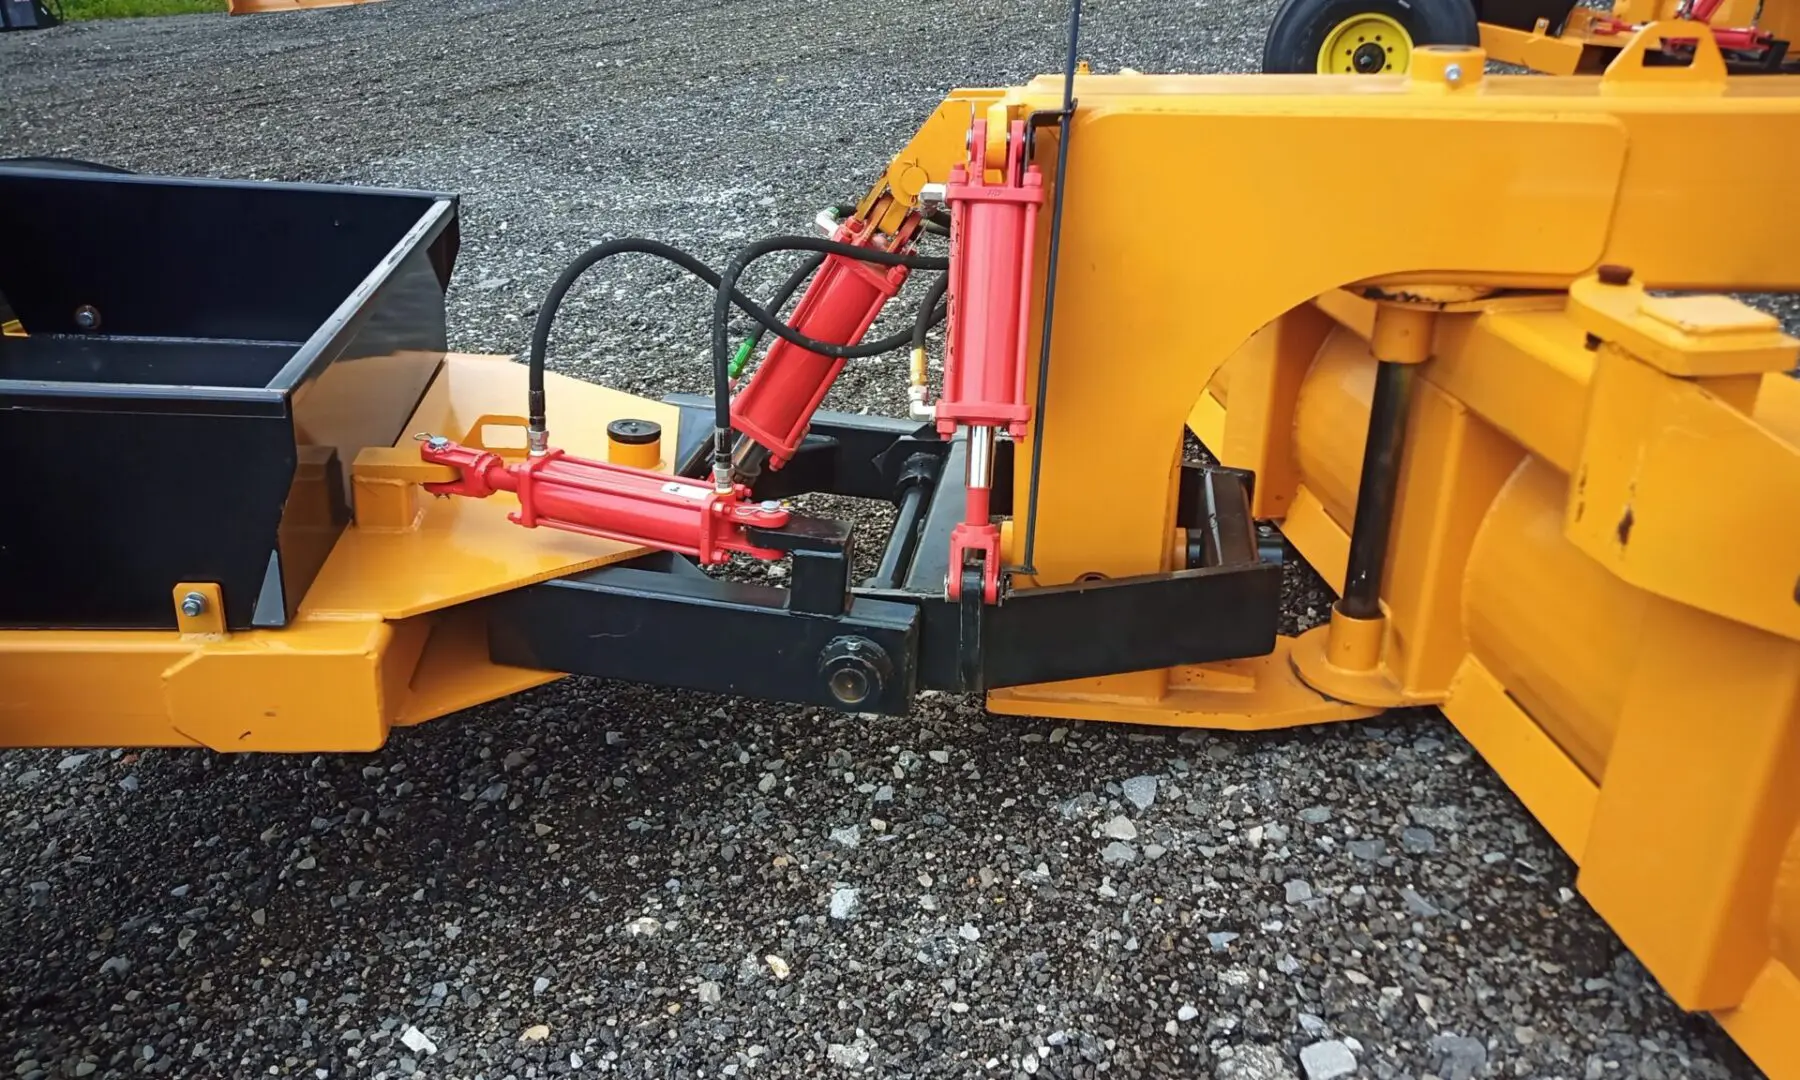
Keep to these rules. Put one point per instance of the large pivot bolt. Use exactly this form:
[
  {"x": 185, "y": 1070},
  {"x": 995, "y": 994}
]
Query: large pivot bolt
[{"x": 856, "y": 670}]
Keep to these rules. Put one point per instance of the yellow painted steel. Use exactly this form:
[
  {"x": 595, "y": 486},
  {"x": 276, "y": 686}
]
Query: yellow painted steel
[
  {"x": 382, "y": 637},
  {"x": 1638, "y": 688},
  {"x": 1554, "y": 54},
  {"x": 1639, "y": 695},
  {"x": 1593, "y": 566},
  {"x": 1244, "y": 695},
  {"x": 926, "y": 159},
  {"x": 463, "y": 549},
  {"x": 1574, "y": 173},
  {"x": 1380, "y": 37}
]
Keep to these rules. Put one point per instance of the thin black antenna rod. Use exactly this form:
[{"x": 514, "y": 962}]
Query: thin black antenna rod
[{"x": 1056, "y": 217}]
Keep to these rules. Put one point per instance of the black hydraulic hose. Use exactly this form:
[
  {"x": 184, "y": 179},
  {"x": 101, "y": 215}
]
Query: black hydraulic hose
[
  {"x": 931, "y": 310},
  {"x": 799, "y": 277},
  {"x": 546, "y": 318},
  {"x": 727, "y": 294}
]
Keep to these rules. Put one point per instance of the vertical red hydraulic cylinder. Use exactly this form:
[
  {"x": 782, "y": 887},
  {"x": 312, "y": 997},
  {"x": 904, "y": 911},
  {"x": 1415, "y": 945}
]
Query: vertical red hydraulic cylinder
[
  {"x": 991, "y": 236},
  {"x": 992, "y": 233}
]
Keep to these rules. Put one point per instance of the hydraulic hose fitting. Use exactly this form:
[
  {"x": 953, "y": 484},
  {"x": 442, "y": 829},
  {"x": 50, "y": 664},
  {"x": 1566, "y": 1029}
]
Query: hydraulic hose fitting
[
  {"x": 722, "y": 482},
  {"x": 916, "y": 408},
  {"x": 537, "y": 432},
  {"x": 747, "y": 460}
]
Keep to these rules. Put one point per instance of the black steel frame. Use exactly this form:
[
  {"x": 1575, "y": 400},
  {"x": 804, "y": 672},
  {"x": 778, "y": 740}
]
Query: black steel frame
[{"x": 870, "y": 646}]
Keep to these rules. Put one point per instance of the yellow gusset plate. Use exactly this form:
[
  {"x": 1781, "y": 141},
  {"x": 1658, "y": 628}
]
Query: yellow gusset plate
[{"x": 465, "y": 549}]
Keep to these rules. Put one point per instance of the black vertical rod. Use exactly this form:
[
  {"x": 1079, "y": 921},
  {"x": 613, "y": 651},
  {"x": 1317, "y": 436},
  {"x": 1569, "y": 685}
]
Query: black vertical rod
[
  {"x": 1056, "y": 216},
  {"x": 897, "y": 555},
  {"x": 1376, "y": 490}
]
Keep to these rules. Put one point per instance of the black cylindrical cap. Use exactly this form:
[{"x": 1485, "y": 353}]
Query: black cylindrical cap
[{"x": 634, "y": 432}]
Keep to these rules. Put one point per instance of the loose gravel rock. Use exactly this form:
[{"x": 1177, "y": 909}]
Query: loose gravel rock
[
  {"x": 667, "y": 860},
  {"x": 1330, "y": 1060},
  {"x": 1139, "y": 791}
]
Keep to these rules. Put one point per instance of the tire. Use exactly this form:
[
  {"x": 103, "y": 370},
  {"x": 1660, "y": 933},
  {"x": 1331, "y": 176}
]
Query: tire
[{"x": 1301, "y": 28}]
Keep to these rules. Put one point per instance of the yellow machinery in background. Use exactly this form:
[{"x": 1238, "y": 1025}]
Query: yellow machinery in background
[
  {"x": 1756, "y": 34},
  {"x": 1552, "y": 472},
  {"x": 1557, "y": 37},
  {"x": 255, "y": 7}
]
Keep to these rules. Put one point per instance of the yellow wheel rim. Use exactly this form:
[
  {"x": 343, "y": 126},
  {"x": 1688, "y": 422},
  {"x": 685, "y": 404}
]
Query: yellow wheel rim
[{"x": 1366, "y": 44}]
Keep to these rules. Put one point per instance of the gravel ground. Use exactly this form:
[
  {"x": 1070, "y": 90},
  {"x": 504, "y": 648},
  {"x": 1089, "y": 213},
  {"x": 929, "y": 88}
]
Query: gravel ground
[{"x": 602, "y": 877}]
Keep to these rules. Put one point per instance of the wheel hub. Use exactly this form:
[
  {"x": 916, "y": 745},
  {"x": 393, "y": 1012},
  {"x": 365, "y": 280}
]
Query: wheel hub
[{"x": 1368, "y": 43}]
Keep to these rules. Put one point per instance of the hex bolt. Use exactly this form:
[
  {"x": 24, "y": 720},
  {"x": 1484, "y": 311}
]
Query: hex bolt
[
  {"x": 437, "y": 442},
  {"x": 932, "y": 195},
  {"x": 1453, "y": 73},
  {"x": 193, "y": 605},
  {"x": 770, "y": 505},
  {"x": 87, "y": 317}
]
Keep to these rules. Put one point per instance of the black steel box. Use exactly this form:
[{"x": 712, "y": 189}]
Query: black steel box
[{"x": 194, "y": 366}]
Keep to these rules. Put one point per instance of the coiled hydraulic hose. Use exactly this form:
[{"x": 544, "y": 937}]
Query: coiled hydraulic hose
[
  {"x": 537, "y": 429},
  {"x": 727, "y": 294}
]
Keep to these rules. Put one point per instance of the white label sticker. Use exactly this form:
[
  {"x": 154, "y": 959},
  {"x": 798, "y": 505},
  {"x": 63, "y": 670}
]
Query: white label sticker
[{"x": 687, "y": 491}]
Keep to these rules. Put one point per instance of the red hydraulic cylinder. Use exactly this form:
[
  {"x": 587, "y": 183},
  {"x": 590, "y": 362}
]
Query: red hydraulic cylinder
[
  {"x": 633, "y": 506},
  {"x": 840, "y": 305},
  {"x": 993, "y": 228},
  {"x": 992, "y": 235}
]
